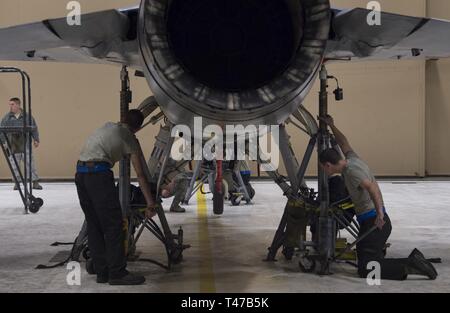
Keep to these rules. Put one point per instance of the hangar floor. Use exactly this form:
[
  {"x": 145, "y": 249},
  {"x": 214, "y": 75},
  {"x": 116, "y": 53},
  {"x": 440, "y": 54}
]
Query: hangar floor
[{"x": 227, "y": 251}]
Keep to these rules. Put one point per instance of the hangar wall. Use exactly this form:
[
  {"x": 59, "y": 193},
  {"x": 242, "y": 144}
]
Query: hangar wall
[
  {"x": 383, "y": 112},
  {"x": 69, "y": 100},
  {"x": 438, "y": 103}
]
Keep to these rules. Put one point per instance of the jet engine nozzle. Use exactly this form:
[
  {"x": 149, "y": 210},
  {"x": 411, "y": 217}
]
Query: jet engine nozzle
[{"x": 233, "y": 61}]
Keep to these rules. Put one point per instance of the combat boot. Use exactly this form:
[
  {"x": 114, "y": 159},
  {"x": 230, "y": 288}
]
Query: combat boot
[
  {"x": 177, "y": 209},
  {"x": 417, "y": 264}
]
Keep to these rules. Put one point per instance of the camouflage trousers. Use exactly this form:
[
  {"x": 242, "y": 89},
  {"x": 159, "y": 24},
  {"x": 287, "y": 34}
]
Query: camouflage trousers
[
  {"x": 297, "y": 221},
  {"x": 181, "y": 184}
]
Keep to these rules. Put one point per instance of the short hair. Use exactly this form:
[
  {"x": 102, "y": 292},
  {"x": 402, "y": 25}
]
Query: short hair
[
  {"x": 134, "y": 119},
  {"x": 16, "y": 100},
  {"x": 330, "y": 156}
]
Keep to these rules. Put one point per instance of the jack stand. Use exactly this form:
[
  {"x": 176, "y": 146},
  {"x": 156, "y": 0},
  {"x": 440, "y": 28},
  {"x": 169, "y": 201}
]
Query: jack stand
[
  {"x": 242, "y": 187},
  {"x": 194, "y": 186},
  {"x": 205, "y": 172},
  {"x": 238, "y": 190},
  {"x": 124, "y": 166},
  {"x": 289, "y": 190},
  {"x": 172, "y": 242},
  {"x": 326, "y": 241},
  {"x": 134, "y": 217},
  {"x": 136, "y": 220},
  {"x": 212, "y": 174}
]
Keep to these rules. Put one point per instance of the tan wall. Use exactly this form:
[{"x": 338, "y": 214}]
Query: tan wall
[
  {"x": 383, "y": 112},
  {"x": 438, "y": 103},
  {"x": 69, "y": 100}
]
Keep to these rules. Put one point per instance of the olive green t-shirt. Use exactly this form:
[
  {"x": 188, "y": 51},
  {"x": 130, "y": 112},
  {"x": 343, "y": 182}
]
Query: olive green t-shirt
[
  {"x": 110, "y": 143},
  {"x": 354, "y": 173}
]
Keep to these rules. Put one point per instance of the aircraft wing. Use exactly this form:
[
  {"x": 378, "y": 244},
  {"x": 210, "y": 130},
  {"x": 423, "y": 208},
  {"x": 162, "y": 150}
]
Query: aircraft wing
[
  {"x": 398, "y": 37},
  {"x": 109, "y": 37},
  {"x": 104, "y": 37}
]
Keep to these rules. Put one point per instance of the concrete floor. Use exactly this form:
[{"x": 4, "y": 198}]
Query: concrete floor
[{"x": 227, "y": 251}]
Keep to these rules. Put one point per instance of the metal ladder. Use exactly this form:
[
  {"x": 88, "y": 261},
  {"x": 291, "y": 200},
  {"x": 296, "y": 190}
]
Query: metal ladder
[{"x": 31, "y": 203}]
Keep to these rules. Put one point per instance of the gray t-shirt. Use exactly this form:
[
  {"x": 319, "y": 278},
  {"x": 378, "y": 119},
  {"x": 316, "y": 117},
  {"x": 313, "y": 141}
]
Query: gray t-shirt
[
  {"x": 354, "y": 173},
  {"x": 110, "y": 143}
]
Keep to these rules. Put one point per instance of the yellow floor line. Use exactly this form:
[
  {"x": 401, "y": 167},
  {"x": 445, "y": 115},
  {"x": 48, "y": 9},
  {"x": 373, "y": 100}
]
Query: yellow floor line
[{"x": 206, "y": 273}]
